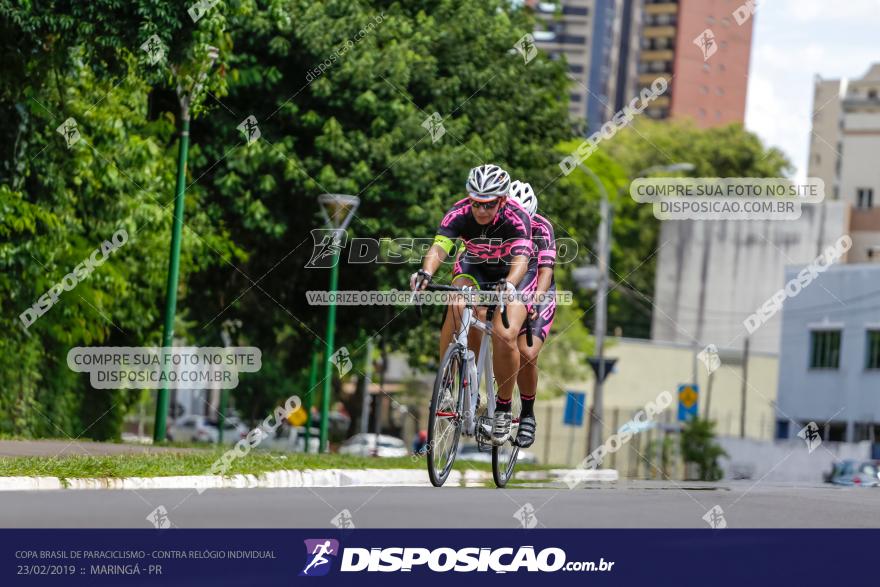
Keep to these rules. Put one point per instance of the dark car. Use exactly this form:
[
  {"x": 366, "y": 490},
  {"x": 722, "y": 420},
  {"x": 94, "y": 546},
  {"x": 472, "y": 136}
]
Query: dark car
[{"x": 855, "y": 473}]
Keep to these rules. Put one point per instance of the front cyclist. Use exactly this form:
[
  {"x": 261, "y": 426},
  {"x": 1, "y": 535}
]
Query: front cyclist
[
  {"x": 541, "y": 313},
  {"x": 497, "y": 238}
]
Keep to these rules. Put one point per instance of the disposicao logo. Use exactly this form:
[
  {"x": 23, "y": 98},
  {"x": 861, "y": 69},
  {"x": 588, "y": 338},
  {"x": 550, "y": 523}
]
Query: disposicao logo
[{"x": 318, "y": 556}]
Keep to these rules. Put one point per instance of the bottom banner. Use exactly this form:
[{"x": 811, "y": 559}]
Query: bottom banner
[{"x": 601, "y": 557}]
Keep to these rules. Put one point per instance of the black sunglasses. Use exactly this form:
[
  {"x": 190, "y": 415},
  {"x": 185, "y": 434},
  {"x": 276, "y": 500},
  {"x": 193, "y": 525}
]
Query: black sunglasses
[{"x": 486, "y": 205}]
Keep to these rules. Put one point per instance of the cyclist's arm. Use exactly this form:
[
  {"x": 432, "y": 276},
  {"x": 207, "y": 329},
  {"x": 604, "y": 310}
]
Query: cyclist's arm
[
  {"x": 545, "y": 278},
  {"x": 436, "y": 255},
  {"x": 546, "y": 249},
  {"x": 521, "y": 245},
  {"x": 518, "y": 267}
]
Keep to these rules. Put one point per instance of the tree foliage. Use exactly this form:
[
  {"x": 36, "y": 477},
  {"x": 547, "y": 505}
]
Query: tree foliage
[{"x": 698, "y": 446}]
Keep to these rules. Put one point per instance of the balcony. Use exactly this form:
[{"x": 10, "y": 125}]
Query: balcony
[
  {"x": 662, "y": 8},
  {"x": 646, "y": 79},
  {"x": 658, "y": 32},
  {"x": 865, "y": 219},
  {"x": 665, "y": 55}
]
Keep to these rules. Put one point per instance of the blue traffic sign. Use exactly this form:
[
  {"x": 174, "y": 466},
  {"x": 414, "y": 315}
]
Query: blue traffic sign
[
  {"x": 574, "y": 408},
  {"x": 688, "y": 401}
]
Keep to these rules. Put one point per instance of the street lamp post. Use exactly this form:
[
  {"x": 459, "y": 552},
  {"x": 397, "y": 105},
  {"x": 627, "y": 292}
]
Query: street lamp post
[
  {"x": 185, "y": 96},
  {"x": 603, "y": 248},
  {"x": 338, "y": 210},
  {"x": 601, "y": 278}
]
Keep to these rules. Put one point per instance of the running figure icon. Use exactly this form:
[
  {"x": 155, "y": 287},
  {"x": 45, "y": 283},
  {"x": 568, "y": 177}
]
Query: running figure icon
[{"x": 319, "y": 552}]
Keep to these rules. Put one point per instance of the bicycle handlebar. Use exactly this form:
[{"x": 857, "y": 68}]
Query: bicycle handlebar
[{"x": 504, "y": 320}]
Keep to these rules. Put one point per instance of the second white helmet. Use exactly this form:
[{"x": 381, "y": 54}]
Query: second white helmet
[{"x": 523, "y": 194}]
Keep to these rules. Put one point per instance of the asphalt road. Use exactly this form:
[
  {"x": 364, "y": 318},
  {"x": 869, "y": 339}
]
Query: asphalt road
[{"x": 619, "y": 505}]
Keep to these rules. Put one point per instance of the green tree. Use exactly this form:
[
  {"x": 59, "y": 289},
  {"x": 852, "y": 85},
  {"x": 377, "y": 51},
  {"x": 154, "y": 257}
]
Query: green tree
[
  {"x": 356, "y": 127},
  {"x": 60, "y": 201},
  {"x": 698, "y": 446}
]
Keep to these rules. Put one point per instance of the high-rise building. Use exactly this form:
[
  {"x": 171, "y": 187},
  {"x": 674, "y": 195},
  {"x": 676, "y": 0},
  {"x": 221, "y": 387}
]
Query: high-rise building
[
  {"x": 703, "y": 48},
  {"x": 565, "y": 32},
  {"x": 843, "y": 153},
  {"x": 599, "y": 40},
  {"x": 616, "y": 47},
  {"x": 711, "y": 69}
]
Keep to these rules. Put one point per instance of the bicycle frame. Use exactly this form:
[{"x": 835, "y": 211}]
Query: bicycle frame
[
  {"x": 479, "y": 372},
  {"x": 474, "y": 372}
]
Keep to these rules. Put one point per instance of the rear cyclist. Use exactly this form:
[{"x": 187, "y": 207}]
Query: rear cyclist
[
  {"x": 497, "y": 237},
  {"x": 541, "y": 313}
]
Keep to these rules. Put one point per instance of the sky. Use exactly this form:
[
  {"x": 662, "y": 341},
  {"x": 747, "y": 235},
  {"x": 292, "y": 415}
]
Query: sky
[{"x": 793, "y": 41}]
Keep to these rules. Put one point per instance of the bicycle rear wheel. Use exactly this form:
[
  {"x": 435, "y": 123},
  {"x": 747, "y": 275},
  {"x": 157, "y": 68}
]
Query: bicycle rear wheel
[
  {"x": 445, "y": 416},
  {"x": 504, "y": 456}
]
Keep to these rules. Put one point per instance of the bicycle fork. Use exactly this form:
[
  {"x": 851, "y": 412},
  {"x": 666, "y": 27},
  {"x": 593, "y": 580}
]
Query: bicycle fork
[{"x": 471, "y": 393}]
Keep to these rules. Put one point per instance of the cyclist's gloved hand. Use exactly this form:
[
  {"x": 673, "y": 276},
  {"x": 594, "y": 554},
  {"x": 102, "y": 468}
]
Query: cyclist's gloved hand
[
  {"x": 507, "y": 290},
  {"x": 419, "y": 280},
  {"x": 533, "y": 312}
]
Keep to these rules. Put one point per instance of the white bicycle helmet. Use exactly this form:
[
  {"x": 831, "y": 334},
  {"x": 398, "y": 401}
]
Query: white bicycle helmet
[
  {"x": 487, "y": 182},
  {"x": 523, "y": 194}
]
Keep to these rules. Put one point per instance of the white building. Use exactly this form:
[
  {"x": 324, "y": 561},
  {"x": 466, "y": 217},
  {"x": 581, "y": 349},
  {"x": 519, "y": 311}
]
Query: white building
[{"x": 845, "y": 153}]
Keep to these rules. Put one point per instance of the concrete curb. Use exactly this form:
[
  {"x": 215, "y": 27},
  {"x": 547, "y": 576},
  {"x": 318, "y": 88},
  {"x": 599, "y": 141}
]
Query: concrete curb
[
  {"x": 296, "y": 478},
  {"x": 273, "y": 479}
]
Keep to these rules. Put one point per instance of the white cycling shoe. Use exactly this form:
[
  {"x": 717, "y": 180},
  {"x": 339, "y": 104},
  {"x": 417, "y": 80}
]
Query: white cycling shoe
[{"x": 501, "y": 428}]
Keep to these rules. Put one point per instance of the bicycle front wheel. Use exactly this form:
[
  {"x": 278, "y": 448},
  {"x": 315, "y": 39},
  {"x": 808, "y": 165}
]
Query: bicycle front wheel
[
  {"x": 504, "y": 456},
  {"x": 445, "y": 416}
]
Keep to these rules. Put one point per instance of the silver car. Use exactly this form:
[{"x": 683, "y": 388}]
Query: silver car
[
  {"x": 196, "y": 428},
  {"x": 374, "y": 445}
]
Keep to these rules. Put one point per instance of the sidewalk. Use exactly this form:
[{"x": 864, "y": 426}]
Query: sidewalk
[{"x": 63, "y": 448}]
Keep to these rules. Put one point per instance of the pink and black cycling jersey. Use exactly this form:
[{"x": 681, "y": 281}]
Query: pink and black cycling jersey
[
  {"x": 507, "y": 236},
  {"x": 543, "y": 255},
  {"x": 544, "y": 241}
]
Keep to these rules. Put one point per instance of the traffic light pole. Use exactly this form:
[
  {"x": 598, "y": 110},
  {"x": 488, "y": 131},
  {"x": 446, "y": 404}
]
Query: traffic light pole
[{"x": 313, "y": 382}]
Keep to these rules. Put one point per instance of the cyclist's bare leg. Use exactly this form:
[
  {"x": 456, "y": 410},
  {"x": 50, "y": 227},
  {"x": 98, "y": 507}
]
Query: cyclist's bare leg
[
  {"x": 527, "y": 378},
  {"x": 505, "y": 350},
  {"x": 453, "y": 320}
]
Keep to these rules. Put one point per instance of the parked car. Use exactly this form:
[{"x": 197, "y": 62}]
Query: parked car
[
  {"x": 195, "y": 428},
  {"x": 470, "y": 452},
  {"x": 292, "y": 439},
  {"x": 855, "y": 473},
  {"x": 374, "y": 445}
]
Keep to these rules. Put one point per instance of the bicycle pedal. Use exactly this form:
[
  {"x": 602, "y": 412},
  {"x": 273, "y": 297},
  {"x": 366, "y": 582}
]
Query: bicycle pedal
[{"x": 484, "y": 435}]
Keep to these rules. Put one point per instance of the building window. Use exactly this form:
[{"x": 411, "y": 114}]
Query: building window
[
  {"x": 825, "y": 351},
  {"x": 864, "y": 198},
  {"x": 659, "y": 66},
  {"x": 574, "y": 10},
  {"x": 873, "y": 358}
]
